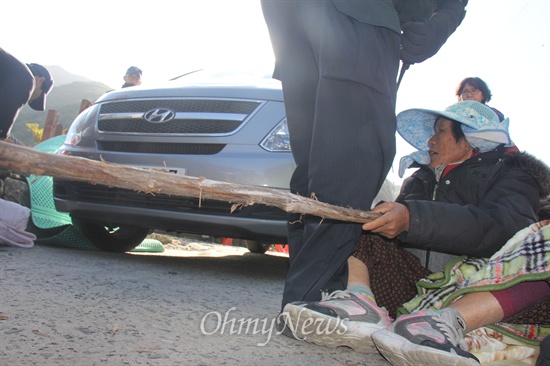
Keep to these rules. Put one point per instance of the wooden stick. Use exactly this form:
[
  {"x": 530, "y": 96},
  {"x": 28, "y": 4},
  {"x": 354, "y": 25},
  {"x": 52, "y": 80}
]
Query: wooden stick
[{"x": 26, "y": 161}]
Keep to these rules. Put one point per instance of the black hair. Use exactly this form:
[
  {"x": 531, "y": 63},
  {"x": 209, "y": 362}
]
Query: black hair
[
  {"x": 456, "y": 128},
  {"x": 478, "y": 84}
]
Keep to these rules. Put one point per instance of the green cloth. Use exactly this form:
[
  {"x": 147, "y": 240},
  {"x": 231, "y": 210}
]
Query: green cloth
[{"x": 56, "y": 227}]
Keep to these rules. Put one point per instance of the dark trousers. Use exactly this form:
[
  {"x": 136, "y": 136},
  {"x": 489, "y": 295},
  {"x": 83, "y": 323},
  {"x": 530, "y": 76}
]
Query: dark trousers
[{"x": 338, "y": 78}]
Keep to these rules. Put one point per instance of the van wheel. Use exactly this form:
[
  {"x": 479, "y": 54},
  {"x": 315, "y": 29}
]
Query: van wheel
[
  {"x": 252, "y": 245},
  {"x": 109, "y": 237}
]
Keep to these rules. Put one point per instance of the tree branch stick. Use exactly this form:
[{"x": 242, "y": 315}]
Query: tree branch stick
[{"x": 26, "y": 161}]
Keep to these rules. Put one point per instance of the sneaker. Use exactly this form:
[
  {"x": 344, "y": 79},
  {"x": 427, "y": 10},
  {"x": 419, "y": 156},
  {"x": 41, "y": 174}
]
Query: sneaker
[
  {"x": 281, "y": 325},
  {"x": 426, "y": 338},
  {"x": 341, "y": 319}
]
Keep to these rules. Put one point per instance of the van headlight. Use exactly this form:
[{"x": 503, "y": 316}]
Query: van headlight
[
  {"x": 82, "y": 123},
  {"x": 278, "y": 139}
]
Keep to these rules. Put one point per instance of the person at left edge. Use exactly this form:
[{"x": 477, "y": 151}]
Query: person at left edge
[{"x": 20, "y": 84}]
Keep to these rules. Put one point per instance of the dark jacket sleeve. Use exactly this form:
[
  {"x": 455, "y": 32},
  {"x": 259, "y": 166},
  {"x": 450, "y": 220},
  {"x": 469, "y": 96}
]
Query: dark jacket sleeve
[
  {"x": 508, "y": 204},
  {"x": 379, "y": 13}
]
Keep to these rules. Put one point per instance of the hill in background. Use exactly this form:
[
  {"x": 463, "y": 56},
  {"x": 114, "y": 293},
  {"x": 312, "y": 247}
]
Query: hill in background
[
  {"x": 66, "y": 97},
  {"x": 63, "y": 77}
]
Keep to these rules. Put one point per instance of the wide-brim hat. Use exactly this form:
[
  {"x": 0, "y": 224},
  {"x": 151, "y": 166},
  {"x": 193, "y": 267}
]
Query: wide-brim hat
[
  {"x": 480, "y": 124},
  {"x": 39, "y": 104}
]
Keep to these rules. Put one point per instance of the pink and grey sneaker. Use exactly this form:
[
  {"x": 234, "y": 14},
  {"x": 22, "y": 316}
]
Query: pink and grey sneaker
[
  {"x": 340, "y": 319},
  {"x": 426, "y": 338}
]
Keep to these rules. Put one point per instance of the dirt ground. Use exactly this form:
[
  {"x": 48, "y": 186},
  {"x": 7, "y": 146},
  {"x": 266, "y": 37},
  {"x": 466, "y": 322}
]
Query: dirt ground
[{"x": 194, "y": 304}]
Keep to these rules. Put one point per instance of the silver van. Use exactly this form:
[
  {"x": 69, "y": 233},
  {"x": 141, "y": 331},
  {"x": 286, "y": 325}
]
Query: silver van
[{"x": 229, "y": 127}]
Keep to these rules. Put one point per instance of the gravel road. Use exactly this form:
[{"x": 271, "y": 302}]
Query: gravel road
[{"x": 62, "y": 306}]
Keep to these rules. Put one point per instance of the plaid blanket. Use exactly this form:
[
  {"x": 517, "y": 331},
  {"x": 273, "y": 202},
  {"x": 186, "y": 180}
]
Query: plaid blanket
[{"x": 525, "y": 257}]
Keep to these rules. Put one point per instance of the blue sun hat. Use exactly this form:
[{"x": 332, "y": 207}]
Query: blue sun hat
[{"x": 480, "y": 124}]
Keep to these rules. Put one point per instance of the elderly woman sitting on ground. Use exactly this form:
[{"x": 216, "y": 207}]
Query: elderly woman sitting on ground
[{"x": 459, "y": 214}]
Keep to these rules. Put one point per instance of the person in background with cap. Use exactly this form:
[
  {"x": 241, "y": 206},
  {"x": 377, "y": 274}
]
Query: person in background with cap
[
  {"x": 20, "y": 84},
  {"x": 469, "y": 196},
  {"x": 132, "y": 77}
]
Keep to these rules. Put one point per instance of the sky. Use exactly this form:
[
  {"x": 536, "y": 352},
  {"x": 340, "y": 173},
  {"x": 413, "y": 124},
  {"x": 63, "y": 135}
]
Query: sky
[{"x": 504, "y": 42}]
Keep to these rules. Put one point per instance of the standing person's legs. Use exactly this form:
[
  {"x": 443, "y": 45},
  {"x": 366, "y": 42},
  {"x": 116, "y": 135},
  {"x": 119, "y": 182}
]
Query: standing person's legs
[
  {"x": 296, "y": 67},
  {"x": 352, "y": 141},
  {"x": 349, "y": 161},
  {"x": 342, "y": 129}
]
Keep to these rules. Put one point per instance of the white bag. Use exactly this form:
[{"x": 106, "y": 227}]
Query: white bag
[{"x": 13, "y": 222}]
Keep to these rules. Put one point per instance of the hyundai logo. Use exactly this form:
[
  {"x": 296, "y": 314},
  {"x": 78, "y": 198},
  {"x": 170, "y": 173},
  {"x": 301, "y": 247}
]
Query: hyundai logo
[{"x": 159, "y": 115}]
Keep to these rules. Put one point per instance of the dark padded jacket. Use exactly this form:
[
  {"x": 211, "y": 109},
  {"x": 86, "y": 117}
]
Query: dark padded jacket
[
  {"x": 476, "y": 207},
  {"x": 390, "y": 13}
]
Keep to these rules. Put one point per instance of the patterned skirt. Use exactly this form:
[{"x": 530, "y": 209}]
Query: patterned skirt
[{"x": 393, "y": 271}]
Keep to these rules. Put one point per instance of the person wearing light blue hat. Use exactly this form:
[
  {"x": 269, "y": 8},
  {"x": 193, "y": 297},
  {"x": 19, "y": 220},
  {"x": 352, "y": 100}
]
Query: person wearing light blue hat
[
  {"x": 454, "y": 219},
  {"x": 481, "y": 127}
]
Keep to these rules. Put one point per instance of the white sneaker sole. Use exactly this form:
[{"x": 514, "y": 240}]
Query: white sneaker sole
[
  {"x": 322, "y": 330},
  {"x": 400, "y": 352}
]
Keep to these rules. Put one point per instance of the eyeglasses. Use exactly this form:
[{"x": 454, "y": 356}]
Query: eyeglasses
[{"x": 466, "y": 93}]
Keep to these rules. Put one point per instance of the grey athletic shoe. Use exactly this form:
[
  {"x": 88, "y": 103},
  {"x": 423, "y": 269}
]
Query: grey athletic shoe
[
  {"x": 341, "y": 319},
  {"x": 426, "y": 338}
]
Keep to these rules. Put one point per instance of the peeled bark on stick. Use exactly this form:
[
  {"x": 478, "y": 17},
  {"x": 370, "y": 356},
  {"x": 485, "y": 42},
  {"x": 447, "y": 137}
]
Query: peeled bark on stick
[{"x": 24, "y": 160}]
